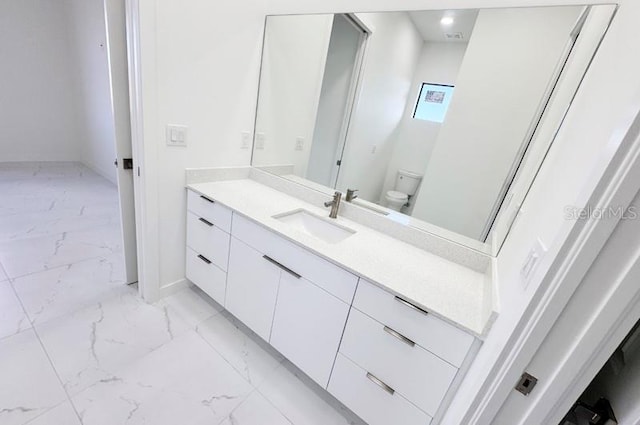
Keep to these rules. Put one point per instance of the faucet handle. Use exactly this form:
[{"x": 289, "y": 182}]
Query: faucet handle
[{"x": 351, "y": 194}]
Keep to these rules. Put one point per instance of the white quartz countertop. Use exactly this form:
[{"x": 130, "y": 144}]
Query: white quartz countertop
[{"x": 448, "y": 290}]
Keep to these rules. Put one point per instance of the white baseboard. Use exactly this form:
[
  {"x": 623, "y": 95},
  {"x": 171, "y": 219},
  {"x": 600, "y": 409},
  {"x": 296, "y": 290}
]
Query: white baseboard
[
  {"x": 174, "y": 287},
  {"x": 98, "y": 170}
]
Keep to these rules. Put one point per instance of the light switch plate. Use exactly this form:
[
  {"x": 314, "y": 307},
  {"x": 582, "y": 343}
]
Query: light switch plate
[
  {"x": 299, "y": 143},
  {"x": 176, "y": 135},
  {"x": 533, "y": 260}
]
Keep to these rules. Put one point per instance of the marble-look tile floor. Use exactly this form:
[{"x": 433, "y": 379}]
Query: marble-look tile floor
[{"x": 78, "y": 347}]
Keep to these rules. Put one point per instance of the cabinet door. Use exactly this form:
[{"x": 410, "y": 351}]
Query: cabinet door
[
  {"x": 308, "y": 326},
  {"x": 252, "y": 288}
]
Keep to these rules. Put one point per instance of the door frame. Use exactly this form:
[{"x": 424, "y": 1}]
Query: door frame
[
  {"x": 144, "y": 181},
  {"x": 619, "y": 185},
  {"x": 546, "y": 103},
  {"x": 615, "y": 319},
  {"x": 355, "y": 89}
]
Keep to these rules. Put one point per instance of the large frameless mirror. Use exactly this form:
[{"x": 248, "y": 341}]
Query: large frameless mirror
[{"x": 439, "y": 119}]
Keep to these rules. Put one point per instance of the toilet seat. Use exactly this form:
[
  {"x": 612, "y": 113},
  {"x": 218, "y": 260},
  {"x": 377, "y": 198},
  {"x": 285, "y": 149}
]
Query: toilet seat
[{"x": 397, "y": 196}]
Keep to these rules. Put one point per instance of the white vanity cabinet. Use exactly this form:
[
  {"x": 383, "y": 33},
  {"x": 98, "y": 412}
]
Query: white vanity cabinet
[
  {"x": 295, "y": 300},
  {"x": 381, "y": 355}
]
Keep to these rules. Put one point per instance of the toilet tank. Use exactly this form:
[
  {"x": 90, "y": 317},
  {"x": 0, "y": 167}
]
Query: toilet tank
[{"x": 407, "y": 182}]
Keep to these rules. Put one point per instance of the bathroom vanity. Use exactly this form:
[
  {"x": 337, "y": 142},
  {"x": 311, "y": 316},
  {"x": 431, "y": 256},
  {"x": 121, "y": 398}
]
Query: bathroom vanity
[
  {"x": 387, "y": 305},
  {"x": 387, "y": 328}
]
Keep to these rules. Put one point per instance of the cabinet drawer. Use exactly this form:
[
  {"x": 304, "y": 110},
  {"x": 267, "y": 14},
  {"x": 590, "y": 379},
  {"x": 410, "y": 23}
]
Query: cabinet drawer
[
  {"x": 208, "y": 240},
  {"x": 326, "y": 275},
  {"x": 209, "y": 210},
  {"x": 206, "y": 276},
  {"x": 416, "y": 374},
  {"x": 357, "y": 390},
  {"x": 442, "y": 339}
]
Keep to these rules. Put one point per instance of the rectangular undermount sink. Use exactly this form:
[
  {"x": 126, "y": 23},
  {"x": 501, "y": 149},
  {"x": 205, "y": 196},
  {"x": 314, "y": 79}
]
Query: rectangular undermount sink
[{"x": 316, "y": 226}]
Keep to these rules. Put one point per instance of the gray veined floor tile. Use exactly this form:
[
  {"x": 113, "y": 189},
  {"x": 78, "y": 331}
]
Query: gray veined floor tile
[
  {"x": 53, "y": 293},
  {"x": 191, "y": 305},
  {"x": 256, "y": 410},
  {"x": 13, "y": 319},
  {"x": 28, "y": 383},
  {"x": 63, "y": 414},
  {"x": 3, "y": 274},
  {"x": 91, "y": 344},
  {"x": 302, "y": 401},
  {"x": 251, "y": 357},
  {"x": 183, "y": 382},
  {"x": 48, "y": 223},
  {"x": 26, "y": 256}
]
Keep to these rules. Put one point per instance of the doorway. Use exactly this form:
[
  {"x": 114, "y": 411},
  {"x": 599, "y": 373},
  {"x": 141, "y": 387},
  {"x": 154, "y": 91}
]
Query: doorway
[
  {"x": 342, "y": 74},
  {"x": 67, "y": 233}
]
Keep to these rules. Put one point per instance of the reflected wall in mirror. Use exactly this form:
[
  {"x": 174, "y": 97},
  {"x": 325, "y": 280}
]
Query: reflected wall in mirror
[{"x": 431, "y": 114}]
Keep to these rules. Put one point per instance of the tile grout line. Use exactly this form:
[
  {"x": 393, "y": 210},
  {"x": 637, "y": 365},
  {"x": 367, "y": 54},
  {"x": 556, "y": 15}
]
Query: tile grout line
[
  {"x": 59, "y": 266},
  {"x": 46, "y": 353},
  {"x": 76, "y": 309},
  {"x": 248, "y": 381}
]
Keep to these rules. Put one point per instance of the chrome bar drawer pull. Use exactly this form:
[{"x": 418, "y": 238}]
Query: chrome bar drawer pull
[
  {"x": 207, "y": 222},
  {"x": 207, "y": 199},
  {"x": 205, "y": 259},
  {"x": 399, "y": 336},
  {"x": 286, "y": 269},
  {"x": 414, "y": 307},
  {"x": 381, "y": 384}
]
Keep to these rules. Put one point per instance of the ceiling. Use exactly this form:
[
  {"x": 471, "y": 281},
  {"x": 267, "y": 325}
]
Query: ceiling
[{"x": 429, "y": 25}]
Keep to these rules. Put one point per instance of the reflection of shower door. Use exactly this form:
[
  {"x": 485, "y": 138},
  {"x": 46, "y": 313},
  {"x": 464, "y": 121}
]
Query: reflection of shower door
[{"x": 337, "y": 98}]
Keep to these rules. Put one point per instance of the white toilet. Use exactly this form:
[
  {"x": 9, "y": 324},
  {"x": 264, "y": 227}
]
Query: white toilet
[{"x": 406, "y": 186}]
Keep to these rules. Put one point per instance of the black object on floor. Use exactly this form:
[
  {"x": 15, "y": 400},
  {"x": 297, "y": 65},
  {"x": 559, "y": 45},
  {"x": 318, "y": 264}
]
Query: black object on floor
[{"x": 583, "y": 414}]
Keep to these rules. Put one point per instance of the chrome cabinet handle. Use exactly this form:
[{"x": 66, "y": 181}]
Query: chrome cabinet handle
[
  {"x": 286, "y": 269},
  {"x": 399, "y": 336},
  {"x": 205, "y": 259},
  {"x": 207, "y": 222},
  {"x": 381, "y": 384},
  {"x": 414, "y": 307},
  {"x": 207, "y": 199}
]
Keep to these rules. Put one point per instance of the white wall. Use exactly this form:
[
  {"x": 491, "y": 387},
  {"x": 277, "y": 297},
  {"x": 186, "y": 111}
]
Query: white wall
[
  {"x": 38, "y": 91},
  {"x": 506, "y": 70},
  {"x": 439, "y": 63},
  {"x": 392, "y": 54},
  {"x": 336, "y": 91},
  {"x": 55, "y": 84},
  {"x": 291, "y": 82},
  {"x": 91, "y": 71},
  {"x": 216, "y": 95}
]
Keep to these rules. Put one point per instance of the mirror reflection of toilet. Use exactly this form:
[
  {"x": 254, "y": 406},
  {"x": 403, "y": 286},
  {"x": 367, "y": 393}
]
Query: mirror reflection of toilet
[{"x": 406, "y": 186}]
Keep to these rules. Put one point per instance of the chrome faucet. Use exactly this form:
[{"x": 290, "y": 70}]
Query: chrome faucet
[
  {"x": 351, "y": 194},
  {"x": 334, "y": 204}
]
